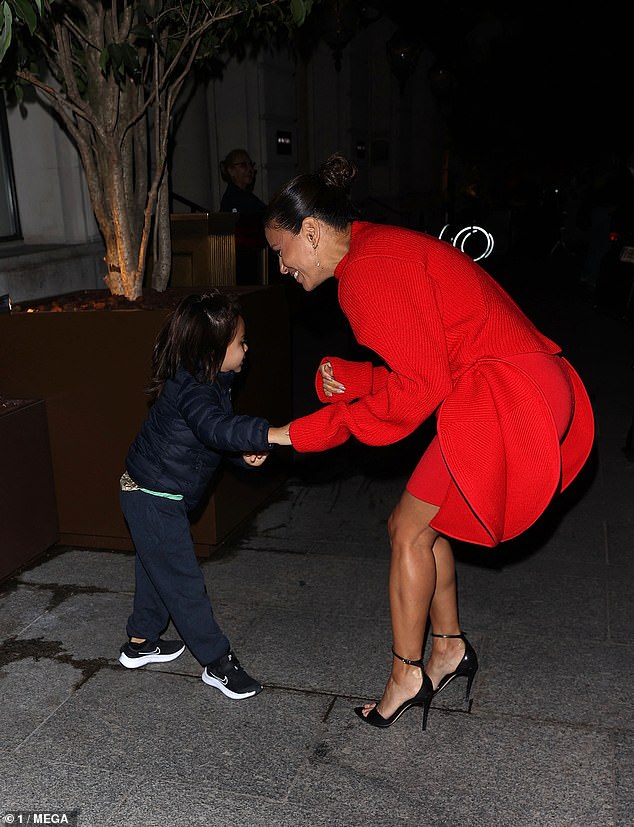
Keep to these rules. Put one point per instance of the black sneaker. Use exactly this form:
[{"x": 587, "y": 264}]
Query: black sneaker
[
  {"x": 229, "y": 677},
  {"x": 134, "y": 655}
]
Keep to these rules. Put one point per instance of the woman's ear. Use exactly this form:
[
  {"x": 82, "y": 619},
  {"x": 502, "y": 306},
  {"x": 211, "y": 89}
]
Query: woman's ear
[{"x": 311, "y": 230}]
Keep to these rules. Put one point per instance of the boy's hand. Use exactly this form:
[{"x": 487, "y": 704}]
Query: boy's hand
[
  {"x": 280, "y": 436},
  {"x": 331, "y": 386},
  {"x": 255, "y": 459}
]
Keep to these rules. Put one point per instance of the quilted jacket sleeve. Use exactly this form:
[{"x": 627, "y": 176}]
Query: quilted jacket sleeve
[{"x": 217, "y": 427}]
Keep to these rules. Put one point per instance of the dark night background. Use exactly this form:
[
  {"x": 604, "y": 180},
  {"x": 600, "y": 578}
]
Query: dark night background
[
  {"x": 546, "y": 83},
  {"x": 536, "y": 98},
  {"x": 538, "y": 104}
]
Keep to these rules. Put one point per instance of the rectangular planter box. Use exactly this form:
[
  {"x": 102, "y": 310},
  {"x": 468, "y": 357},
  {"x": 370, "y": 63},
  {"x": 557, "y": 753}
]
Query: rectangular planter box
[
  {"x": 91, "y": 367},
  {"x": 29, "y": 525}
]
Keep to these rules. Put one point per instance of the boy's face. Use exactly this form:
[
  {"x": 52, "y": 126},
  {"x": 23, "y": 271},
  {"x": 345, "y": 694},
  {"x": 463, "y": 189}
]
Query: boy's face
[{"x": 234, "y": 357}]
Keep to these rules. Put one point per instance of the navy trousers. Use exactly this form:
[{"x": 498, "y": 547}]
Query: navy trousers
[{"x": 169, "y": 582}]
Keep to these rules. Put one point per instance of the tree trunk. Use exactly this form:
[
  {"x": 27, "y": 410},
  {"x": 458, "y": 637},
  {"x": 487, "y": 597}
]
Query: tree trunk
[{"x": 163, "y": 239}]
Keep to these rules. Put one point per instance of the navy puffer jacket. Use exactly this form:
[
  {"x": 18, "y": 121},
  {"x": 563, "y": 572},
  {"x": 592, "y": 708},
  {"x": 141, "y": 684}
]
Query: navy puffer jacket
[{"x": 186, "y": 433}]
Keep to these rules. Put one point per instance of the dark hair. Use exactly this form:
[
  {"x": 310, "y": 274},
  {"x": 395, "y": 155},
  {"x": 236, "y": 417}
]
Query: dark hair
[
  {"x": 195, "y": 337},
  {"x": 323, "y": 194}
]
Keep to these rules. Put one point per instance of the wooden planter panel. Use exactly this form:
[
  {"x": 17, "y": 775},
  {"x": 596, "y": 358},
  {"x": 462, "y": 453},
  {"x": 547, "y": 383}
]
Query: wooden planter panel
[
  {"x": 28, "y": 525},
  {"x": 91, "y": 368}
]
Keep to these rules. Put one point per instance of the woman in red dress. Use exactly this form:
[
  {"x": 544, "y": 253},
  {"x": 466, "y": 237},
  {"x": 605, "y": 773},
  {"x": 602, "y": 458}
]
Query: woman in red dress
[{"x": 514, "y": 423}]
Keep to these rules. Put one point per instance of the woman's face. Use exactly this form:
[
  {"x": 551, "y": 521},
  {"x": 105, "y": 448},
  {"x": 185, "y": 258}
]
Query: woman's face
[
  {"x": 298, "y": 256},
  {"x": 234, "y": 357}
]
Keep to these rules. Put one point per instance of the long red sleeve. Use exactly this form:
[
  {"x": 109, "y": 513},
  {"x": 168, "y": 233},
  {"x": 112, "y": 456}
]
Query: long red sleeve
[
  {"x": 359, "y": 379},
  {"x": 429, "y": 312}
]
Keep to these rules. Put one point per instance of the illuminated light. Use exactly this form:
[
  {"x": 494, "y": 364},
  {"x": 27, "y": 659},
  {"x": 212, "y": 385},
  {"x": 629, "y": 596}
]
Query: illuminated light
[{"x": 460, "y": 239}]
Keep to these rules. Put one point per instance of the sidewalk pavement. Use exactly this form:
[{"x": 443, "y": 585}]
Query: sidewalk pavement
[{"x": 302, "y": 591}]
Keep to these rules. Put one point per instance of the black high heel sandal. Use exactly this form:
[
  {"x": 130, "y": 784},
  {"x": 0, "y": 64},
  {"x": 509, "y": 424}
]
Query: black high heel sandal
[
  {"x": 421, "y": 698},
  {"x": 467, "y": 667}
]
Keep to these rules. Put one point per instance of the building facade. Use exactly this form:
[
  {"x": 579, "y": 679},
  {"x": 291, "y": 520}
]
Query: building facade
[{"x": 289, "y": 113}]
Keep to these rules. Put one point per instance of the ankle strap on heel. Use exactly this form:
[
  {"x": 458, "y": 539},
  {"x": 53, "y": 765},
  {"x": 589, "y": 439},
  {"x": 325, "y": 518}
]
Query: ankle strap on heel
[
  {"x": 408, "y": 661},
  {"x": 461, "y": 635}
]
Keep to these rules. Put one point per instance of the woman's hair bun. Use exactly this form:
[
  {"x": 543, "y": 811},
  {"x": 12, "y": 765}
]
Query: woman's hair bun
[{"x": 338, "y": 171}]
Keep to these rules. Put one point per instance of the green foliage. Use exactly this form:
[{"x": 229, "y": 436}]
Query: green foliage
[
  {"x": 120, "y": 58},
  {"x": 217, "y": 28},
  {"x": 6, "y": 28},
  {"x": 225, "y": 26},
  {"x": 13, "y": 14},
  {"x": 27, "y": 13}
]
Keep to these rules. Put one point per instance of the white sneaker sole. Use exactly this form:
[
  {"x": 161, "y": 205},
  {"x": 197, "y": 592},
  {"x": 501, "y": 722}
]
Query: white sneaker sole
[
  {"x": 135, "y": 663},
  {"x": 218, "y": 684}
]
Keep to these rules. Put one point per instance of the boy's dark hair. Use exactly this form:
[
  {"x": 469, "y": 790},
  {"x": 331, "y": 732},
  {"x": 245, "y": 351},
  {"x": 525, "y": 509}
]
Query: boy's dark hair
[{"x": 194, "y": 337}]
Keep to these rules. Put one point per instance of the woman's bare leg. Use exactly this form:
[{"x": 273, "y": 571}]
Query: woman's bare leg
[
  {"x": 422, "y": 581},
  {"x": 443, "y": 613}
]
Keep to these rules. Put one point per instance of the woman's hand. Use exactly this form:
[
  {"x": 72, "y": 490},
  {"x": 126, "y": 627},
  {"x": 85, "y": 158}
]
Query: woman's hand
[
  {"x": 280, "y": 436},
  {"x": 331, "y": 386},
  {"x": 255, "y": 459}
]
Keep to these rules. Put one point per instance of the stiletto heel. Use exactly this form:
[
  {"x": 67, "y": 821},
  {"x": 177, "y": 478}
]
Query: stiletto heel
[
  {"x": 467, "y": 667},
  {"x": 421, "y": 698}
]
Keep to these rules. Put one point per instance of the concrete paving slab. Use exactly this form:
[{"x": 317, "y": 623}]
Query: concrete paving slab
[
  {"x": 304, "y": 582},
  {"x": 106, "y": 570},
  {"x": 314, "y": 517},
  {"x": 35, "y": 782},
  {"x": 463, "y": 770},
  {"x": 326, "y": 654},
  {"x": 553, "y": 679},
  {"x": 33, "y": 691},
  {"x": 577, "y": 537},
  {"x": 617, "y": 506},
  {"x": 20, "y": 606},
  {"x": 531, "y": 600},
  {"x": 206, "y": 805},
  {"x": 85, "y": 629},
  {"x": 624, "y": 780},
  {"x": 620, "y": 603},
  {"x": 86, "y": 626},
  {"x": 153, "y": 725},
  {"x": 620, "y": 541}
]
